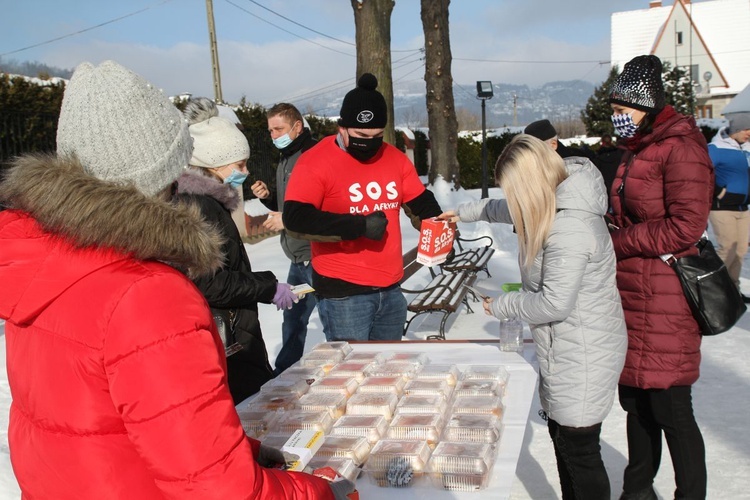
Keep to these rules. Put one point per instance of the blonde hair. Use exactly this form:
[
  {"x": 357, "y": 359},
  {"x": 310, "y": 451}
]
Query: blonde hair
[{"x": 529, "y": 171}]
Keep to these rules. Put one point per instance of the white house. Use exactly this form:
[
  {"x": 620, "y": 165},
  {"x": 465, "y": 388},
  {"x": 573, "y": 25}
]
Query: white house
[{"x": 710, "y": 38}]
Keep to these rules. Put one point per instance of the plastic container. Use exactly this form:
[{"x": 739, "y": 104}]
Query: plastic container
[
  {"x": 483, "y": 405},
  {"x": 364, "y": 403},
  {"x": 341, "y": 385},
  {"x": 341, "y": 346},
  {"x": 397, "y": 463},
  {"x": 406, "y": 369},
  {"x": 289, "y": 421},
  {"x": 307, "y": 374},
  {"x": 354, "y": 369},
  {"x": 428, "y": 388},
  {"x": 490, "y": 372},
  {"x": 511, "y": 335},
  {"x": 421, "y": 427},
  {"x": 353, "y": 447},
  {"x": 418, "y": 358},
  {"x": 461, "y": 466},
  {"x": 377, "y": 357},
  {"x": 449, "y": 373},
  {"x": 345, "y": 467},
  {"x": 325, "y": 359},
  {"x": 270, "y": 401},
  {"x": 256, "y": 423},
  {"x": 393, "y": 384},
  {"x": 479, "y": 387},
  {"x": 285, "y": 385},
  {"x": 473, "y": 428},
  {"x": 371, "y": 427},
  {"x": 333, "y": 402},
  {"x": 421, "y": 404}
]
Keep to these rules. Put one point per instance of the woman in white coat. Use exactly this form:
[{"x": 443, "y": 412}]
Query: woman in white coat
[{"x": 569, "y": 298}]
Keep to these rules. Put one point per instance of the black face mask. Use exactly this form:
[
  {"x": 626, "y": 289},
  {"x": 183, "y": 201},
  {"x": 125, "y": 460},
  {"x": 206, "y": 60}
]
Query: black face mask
[{"x": 364, "y": 149}]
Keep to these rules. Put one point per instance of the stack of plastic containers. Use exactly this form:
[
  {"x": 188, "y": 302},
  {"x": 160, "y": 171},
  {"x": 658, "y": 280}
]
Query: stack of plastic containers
[{"x": 399, "y": 418}]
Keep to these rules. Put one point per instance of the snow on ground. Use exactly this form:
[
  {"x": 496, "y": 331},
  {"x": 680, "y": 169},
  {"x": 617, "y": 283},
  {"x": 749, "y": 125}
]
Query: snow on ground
[{"x": 718, "y": 396}]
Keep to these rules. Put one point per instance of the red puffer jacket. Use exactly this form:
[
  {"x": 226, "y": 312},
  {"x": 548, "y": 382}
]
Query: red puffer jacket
[
  {"x": 116, "y": 370},
  {"x": 662, "y": 208}
]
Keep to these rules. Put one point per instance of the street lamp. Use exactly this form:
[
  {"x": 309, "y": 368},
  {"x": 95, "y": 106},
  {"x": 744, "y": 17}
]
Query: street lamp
[{"x": 484, "y": 92}]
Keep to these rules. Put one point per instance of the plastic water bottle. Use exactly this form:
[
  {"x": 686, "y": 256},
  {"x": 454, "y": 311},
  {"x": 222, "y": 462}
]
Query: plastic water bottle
[{"x": 511, "y": 335}]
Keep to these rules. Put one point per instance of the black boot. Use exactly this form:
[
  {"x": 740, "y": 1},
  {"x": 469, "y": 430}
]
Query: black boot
[{"x": 647, "y": 494}]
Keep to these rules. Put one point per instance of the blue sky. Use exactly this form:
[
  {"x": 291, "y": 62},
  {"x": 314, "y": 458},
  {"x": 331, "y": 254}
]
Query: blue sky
[{"x": 168, "y": 42}]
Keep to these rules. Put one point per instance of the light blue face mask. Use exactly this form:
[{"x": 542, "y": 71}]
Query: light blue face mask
[
  {"x": 235, "y": 178},
  {"x": 283, "y": 141}
]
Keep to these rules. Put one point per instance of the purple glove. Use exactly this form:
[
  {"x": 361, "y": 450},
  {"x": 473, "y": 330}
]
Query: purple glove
[{"x": 284, "y": 297}]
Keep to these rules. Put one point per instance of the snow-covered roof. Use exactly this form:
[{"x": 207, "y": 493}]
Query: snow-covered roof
[
  {"x": 722, "y": 25},
  {"x": 407, "y": 132}
]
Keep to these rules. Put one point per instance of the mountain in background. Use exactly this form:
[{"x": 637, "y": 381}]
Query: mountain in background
[{"x": 559, "y": 101}]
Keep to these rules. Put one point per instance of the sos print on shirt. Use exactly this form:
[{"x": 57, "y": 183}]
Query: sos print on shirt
[{"x": 373, "y": 197}]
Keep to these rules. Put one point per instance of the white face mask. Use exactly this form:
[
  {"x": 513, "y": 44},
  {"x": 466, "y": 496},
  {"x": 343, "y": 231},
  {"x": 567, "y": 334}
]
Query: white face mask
[{"x": 624, "y": 125}]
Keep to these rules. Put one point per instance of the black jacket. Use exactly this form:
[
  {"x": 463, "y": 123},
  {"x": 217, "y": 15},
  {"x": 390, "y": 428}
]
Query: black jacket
[{"x": 235, "y": 286}]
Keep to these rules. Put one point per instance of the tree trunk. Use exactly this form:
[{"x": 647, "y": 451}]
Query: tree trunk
[
  {"x": 441, "y": 111},
  {"x": 372, "y": 20}
]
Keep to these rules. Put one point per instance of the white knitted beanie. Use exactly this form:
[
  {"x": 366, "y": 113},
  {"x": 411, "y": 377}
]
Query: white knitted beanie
[
  {"x": 122, "y": 128},
  {"x": 217, "y": 142}
]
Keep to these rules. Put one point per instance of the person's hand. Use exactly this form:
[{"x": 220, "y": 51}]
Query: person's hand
[
  {"x": 274, "y": 222},
  {"x": 450, "y": 216},
  {"x": 341, "y": 488},
  {"x": 271, "y": 457},
  {"x": 284, "y": 298},
  {"x": 487, "y": 305},
  {"x": 375, "y": 224},
  {"x": 260, "y": 190}
]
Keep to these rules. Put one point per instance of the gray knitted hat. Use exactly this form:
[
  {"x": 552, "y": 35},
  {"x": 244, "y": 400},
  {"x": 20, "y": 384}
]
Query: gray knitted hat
[
  {"x": 738, "y": 121},
  {"x": 640, "y": 86},
  {"x": 122, "y": 128}
]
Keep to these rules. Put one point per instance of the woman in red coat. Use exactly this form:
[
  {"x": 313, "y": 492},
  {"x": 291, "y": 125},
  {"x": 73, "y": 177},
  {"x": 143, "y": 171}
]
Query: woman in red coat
[
  {"x": 114, "y": 363},
  {"x": 660, "y": 202}
]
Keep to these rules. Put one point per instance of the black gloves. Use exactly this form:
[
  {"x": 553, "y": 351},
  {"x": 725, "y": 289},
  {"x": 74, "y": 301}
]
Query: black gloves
[{"x": 375, "y": 225}]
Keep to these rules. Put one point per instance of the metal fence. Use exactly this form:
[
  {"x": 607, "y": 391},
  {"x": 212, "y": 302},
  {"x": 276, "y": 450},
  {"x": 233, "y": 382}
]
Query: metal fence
[{"x": 23, "y": 133}]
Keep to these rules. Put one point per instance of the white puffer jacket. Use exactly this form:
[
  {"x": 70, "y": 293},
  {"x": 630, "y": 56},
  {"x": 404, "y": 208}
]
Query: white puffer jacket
[{"x": 570, "y": 300}]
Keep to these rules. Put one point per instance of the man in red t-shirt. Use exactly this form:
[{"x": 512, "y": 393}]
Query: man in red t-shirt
[{"x": 346, "y": 194}]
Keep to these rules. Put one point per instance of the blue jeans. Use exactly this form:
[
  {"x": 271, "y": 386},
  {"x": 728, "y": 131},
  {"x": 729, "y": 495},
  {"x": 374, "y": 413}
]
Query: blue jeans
[
  {"x": 294, "y": 327},
  {"x": 379, "y": 315}
]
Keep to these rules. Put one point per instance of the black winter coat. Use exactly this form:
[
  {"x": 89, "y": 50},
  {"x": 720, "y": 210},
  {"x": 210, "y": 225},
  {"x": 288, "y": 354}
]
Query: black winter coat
[{"x": 234, "y": 287}]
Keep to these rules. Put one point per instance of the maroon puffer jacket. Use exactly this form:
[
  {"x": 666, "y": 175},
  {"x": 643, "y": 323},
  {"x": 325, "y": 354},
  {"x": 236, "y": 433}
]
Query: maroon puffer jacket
[{"x": 668, "y": 185}]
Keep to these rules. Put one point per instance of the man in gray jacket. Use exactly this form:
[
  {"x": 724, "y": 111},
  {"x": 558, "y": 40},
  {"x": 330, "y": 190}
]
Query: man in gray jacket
[{"x": 286, "y": 126}]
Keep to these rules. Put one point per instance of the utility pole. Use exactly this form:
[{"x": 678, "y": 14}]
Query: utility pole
[
  {"x": 515, "y": 114},
  {"x": 214, "y": 51}
]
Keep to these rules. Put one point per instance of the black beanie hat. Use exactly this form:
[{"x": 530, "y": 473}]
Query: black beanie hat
[
  {"x": 541, "y": 129},
  {"x": 364, "y": 107},
  {"x": 639, "y": 86}
]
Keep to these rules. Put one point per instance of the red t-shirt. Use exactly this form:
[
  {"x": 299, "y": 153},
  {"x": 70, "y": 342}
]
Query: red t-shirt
[{"x": 331, "y": 180}]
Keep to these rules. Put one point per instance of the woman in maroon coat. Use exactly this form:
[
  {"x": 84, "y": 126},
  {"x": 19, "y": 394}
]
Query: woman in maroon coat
[{"x": 660, "y": 202}]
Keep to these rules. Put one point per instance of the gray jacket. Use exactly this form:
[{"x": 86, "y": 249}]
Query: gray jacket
[
  {"x": 297, "y": 250},
  {"x": 570, "y": 300}
]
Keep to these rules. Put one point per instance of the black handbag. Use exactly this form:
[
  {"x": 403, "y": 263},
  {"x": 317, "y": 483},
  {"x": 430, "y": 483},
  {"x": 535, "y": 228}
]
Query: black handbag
[{"x": 714, "y": 299}]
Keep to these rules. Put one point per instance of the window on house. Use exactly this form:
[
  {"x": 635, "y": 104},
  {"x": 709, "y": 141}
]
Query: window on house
[{"x": 679, "y": 38}]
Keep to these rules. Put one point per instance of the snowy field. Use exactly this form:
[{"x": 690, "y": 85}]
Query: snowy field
[{"x": 717, "y": 396}]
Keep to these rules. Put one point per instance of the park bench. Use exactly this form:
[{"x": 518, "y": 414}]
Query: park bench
[
  {"x": 472, "y": 259},
  {"x": 444, "y": 294}
]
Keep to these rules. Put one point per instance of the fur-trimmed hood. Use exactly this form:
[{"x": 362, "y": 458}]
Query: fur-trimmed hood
[
  {"x": 89, "y": 212},
  {"x": 193, "y": 182}
]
